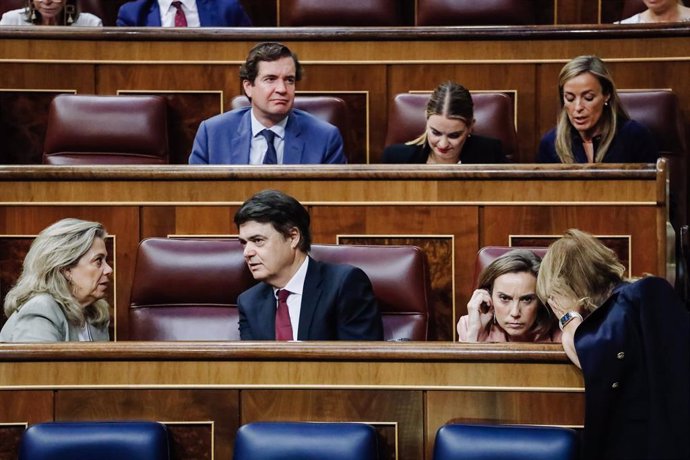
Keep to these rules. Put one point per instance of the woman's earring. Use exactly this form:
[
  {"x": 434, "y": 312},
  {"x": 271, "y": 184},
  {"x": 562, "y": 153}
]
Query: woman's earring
[
  {"x": 69, "y": 11},
  {"x": 33, "y": 15}
]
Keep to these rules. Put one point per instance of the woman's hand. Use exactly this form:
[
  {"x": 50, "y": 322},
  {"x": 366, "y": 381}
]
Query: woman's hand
[
  {"x": 480, "y": 312},
  {"x": 560, "y": 306}
]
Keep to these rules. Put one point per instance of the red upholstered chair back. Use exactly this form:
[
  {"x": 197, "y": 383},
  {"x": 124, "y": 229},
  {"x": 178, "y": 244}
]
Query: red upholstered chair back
[
  {"x": 488, "y": 254},
  {"x": 400, "y": 277},
  {"x": 186, "y": 289},
  {"x": 89, "y": 129},
  {"x": 296, "y": 13},
  {"x": 493, "y": 113},
  {"x": 659, "y": 110},
  {"x": 475, "y": 12},
  {"x": 334, "y": 110}
]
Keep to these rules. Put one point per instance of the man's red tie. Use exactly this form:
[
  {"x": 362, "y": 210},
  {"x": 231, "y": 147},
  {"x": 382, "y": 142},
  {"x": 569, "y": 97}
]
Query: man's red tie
[
  {"x": 180, "y": 18},
  {"x": 283, "y": 324}
]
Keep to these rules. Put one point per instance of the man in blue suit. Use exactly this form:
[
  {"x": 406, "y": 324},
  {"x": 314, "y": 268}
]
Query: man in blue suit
[
  {"x": 198, "y": 13},
  {"x": 298, "y": 297},
  {"x": 270, "y": 131}
]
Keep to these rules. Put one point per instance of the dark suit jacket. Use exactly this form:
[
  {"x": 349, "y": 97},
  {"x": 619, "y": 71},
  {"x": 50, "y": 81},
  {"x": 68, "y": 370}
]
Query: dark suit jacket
[
  {"x": 212, "y": 13},
  {"x": 477, "y": 150},
  {"x": 337, "y": 304},
  {"x": 635, "y": 357},
  {"x": 226, "y": 138},
  {"x": 633, "y": 143}
]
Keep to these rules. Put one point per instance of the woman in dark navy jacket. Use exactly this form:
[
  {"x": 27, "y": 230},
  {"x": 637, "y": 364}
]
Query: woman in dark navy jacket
[
  {"x": 631, "y": 340},
  {"x": 593, "y": 126}
]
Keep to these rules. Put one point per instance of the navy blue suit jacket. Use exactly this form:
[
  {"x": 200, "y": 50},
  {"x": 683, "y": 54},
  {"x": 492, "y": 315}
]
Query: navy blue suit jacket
[
  {"x": 633, "y": 143},
  {"x": 337, "y": 304},
  {"x": 226, "y": 138},
  {"x": 212, "y": 13},
  {"x": 635, "y": 357}
]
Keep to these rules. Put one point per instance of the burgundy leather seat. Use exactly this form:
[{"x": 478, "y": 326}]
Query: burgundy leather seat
[
  {"x": 493, "y": 112},
  {"x": 475, "y": 12},
  {"x": 87, "y": 129},
  {"x": 297, "y": 13},
  {"x": 488, "y": 254},
  {"x": 334, "y": 110},
  {"x": 400, "y": 277},
  {"x": 186, "y": 289},
  {"x": 659, "y": 110}
]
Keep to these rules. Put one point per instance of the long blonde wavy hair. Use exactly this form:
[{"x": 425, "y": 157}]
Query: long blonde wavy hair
[
  {"x": 613, "y": 110},
  {"x": 57, "y": 248}
]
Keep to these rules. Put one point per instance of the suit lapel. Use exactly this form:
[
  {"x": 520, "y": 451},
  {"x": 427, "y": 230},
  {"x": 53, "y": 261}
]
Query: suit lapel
[
  {"x": 154, "y": 16},
  {"x": 206, "y": 18},
  {"x": 294, "y": 146},
  {"x": 241, "y": 141},
  {"x": 310, "y": 299}
]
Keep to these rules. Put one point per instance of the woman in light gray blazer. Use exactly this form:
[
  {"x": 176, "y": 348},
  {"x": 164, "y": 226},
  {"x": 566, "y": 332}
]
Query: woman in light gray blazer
[{"x": 60, "y": 294}]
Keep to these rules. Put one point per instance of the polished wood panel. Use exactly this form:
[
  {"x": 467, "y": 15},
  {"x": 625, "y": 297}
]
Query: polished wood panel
[
  {"x": 210, "y": 417},
  {"x": 205, "y": 390},
  {"x": 402, "y": 409}
]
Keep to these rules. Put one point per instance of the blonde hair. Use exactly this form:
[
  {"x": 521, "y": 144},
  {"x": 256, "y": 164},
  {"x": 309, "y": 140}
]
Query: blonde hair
[
  {"x": 450, "y": 100},
  {"x": 519, "y": 261},
  {"x": 613, "y": 110},
  {"x": 56, "y": 248},
  {"x": 579, "y": 266}
]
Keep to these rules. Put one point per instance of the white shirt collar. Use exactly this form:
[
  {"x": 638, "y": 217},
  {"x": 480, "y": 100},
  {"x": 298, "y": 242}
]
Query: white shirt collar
[
  {"x": 165, "y": 5},
  {"x": 278, "y": 128},
  {"x": 296, "y": 283}
]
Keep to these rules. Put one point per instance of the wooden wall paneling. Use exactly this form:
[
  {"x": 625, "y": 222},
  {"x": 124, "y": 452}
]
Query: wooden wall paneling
[
  {"x": 121, "y": 222},
  {"x": 23, "y": 123},
  {"x": 367, "y": 81},
  {"x": 381, "y": 408},
  {"x": 19, "y": 409},
  {"x": 503, "y": 407},
  {"x": 578, "y": 11},
  {"x": 520, "y": 78},
  {"x": 461, "y": 223},
  {"x": 500, "y": 223},
  {"x": 200, "y": 419},
  {"x": 26, "y": 75}
]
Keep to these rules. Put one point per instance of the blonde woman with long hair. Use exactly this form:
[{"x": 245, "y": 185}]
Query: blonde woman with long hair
[
  {"x": 60, "y": 295},
  {"x": 593, "y": 126}
]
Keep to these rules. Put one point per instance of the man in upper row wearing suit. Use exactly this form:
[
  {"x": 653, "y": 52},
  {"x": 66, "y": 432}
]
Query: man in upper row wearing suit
[
  {"x": 191, "y": 13},
  {"x": 298, "y": 297},
  {"x": 270, "y": 131}
]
